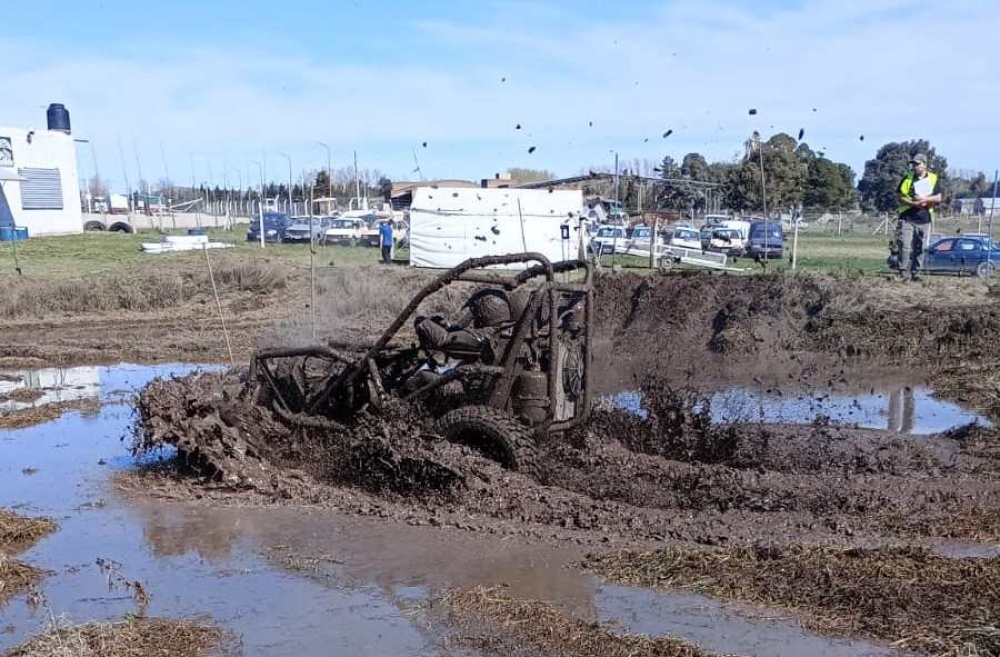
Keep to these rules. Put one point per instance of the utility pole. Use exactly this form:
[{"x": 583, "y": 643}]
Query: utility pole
[
  {"x": 260, "y": 203},
  {"x": 989, "y": 246},
  {"x": 329, "y": 177},
  {"x": 291, "y": 203},
  {"x": 357, "y": 180},
  {"x": 128, "y": 187}
]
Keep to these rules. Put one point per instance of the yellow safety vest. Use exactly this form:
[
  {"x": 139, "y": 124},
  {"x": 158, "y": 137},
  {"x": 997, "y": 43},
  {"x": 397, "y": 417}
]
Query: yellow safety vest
[{"x": 906, "y": 188}]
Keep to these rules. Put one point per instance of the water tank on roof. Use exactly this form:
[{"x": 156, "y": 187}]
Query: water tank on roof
[{"x": 58, "y": 117}]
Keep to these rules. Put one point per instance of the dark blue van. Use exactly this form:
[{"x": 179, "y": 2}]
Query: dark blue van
[
  {"x": 766, "y": 240},
  {"x": 275, "y": 225}
]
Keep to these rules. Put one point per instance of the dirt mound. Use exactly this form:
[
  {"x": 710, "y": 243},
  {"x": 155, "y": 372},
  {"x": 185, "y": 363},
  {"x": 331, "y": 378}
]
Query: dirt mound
[{"x": 780, "y": 316}]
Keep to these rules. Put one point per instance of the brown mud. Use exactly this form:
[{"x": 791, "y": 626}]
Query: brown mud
[
  {"x": 135, "y": 637},
  {"x": 912, "y": 597},
  {"x": 670, "y": 474}
]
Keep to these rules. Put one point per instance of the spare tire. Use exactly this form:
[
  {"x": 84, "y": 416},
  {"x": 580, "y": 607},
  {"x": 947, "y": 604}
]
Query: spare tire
[{"x": 493, "y": 432}]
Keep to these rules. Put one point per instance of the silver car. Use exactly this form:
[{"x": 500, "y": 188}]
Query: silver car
[{"x": 306, "y": 229}]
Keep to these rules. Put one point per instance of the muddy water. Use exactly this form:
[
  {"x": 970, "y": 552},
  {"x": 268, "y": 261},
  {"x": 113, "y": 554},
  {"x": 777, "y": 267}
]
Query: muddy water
[
  {"x": 899, "y": 408},
  {"x": 289, "y": 581}
]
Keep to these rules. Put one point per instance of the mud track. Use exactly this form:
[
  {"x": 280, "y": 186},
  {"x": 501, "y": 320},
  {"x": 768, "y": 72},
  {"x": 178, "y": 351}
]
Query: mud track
[{"x": 672, "y": 474}]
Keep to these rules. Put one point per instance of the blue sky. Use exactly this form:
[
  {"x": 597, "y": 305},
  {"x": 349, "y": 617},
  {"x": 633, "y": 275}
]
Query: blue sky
[{"x": 219, "y": 82}]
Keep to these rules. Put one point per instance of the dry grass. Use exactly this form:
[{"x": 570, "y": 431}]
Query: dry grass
[
  {"x": 910, "y": 596},
  {"x": 135, "y": 637},
  {"x": 139, "y": 289},
  {"x": 30, "y": 417},
  {"x": 23, "y": 395},
  {"x": 20, "y": 531},
  {"x": 16, "y": 578},
  {"x": 506, "y": 626}
]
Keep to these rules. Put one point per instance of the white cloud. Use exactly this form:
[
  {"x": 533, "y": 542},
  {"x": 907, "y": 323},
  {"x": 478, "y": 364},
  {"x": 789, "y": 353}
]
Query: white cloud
[{"x": 885, "y": 69}]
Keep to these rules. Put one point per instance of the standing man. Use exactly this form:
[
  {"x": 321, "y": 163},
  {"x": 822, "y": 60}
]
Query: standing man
[
  {"x": 385, "y": 241},
  {"x": 918, "y": 194}
]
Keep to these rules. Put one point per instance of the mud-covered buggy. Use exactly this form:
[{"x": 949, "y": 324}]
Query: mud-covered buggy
[{"x": 513, "y": 368}]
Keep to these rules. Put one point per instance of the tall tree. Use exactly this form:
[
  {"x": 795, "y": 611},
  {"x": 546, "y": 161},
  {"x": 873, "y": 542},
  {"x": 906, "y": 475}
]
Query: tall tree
[
  {"x": 882, "y": 174},
  {"x": 385, "y": 187},
  {"x": 785, "y": 174}
]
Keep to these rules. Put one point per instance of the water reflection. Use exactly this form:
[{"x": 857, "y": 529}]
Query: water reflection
[
  {"x": 23, "y": 389},
  {"x": 898, "y": 408}
]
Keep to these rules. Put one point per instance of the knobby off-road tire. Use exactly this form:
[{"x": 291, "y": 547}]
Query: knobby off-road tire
[{"x": 494, "y": 433}]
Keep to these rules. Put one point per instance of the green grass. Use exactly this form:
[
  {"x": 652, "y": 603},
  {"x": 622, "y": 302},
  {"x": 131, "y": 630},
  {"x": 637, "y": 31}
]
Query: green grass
[
  {"x": 73, "y": 255},
  {"x": 88, "y": 253}
]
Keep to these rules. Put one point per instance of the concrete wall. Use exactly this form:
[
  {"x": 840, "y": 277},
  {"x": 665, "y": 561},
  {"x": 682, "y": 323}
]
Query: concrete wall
[{"x": 47, "y": 150}]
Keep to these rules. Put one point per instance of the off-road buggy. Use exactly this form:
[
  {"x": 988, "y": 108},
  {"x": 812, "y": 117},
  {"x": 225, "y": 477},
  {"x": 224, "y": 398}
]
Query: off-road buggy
[{"x": 512, "y": 369}]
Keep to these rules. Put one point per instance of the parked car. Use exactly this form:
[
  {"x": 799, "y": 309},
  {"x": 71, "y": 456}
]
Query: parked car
[
  {"x": 275, "y": 225},
  {"x": 727, "y": 240},
  {"x": 344, "y": 231},
  {"x": 640, "y": 237},
  {"x": 606, "y": 238},
  {"x": 975, "y": 256},
  {"x": 686, "y": 238},
  {"x": 766, "y": 241},
  {"x": 307, "y": 229}
]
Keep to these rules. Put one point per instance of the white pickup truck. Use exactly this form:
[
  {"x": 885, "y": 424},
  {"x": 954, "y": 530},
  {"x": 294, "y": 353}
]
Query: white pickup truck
[{"x": 344, "y": 231}]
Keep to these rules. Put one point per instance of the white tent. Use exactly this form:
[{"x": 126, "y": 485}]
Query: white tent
[{"x": 449, "y": 225}]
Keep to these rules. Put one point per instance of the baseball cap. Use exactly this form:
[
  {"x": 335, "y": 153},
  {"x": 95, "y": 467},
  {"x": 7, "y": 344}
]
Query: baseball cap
[{"x": 919, "y": 158}]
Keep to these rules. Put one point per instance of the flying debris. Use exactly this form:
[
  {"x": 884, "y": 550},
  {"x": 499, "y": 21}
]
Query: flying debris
[
  {"x": 862, "y": 138},
  {"x": 590, "y": 123},
  {"x": 425, "y": 144},
  {"x": 517, "y": 127},
  {"x": 668, "y": 133},
  {"x": 531, "y": 150},
  {"x": 802, "y": 133},
  {"x": 503, "y": 79},
  {"x": 753, "y": 112}
]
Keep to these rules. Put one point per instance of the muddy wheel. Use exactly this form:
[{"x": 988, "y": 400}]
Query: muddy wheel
[
  {"x": 986, "y": 270},
  {"x": 494, "y": 433},
  {"x": 666, "y": 264}
]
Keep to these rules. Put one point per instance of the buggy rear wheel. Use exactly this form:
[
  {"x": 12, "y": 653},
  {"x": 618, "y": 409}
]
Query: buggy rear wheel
[{"x": 496, "y": 434}]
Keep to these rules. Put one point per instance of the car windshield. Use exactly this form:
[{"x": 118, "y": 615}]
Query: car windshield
[
  {"x": 772, "y": 232},
  {"x": 274, "y": 220},
  {"x": 342, "y": 223},
  {"x": 609, "y": 232},
  {"x": 686, "y": 235}
]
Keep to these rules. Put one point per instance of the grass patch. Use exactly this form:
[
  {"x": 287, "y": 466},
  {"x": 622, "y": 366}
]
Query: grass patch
[
  {"x": 494, "y": 623},
  {"x": 30, "y": 417},
  {"x": 16, "y": 578},
  {"x": 21, "y": 531},
  {"x": 135, "y": 637},
  {"x": 69, "y": 256},
  {"x": 139, "y": 289},
  {"x": 910, "y": 596}
]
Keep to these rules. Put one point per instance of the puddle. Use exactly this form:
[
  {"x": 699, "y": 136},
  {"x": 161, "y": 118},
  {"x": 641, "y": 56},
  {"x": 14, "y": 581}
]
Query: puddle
[
  {"x": 288, "y": 581},
  {"x": 955, "y": 549},
  {"x": 714, "y": 627},
  {"x": 902, "y": 409}
]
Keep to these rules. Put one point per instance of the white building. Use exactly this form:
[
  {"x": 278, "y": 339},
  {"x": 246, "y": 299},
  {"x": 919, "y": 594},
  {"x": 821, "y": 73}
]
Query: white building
[{"x": 46, "y": 196}]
